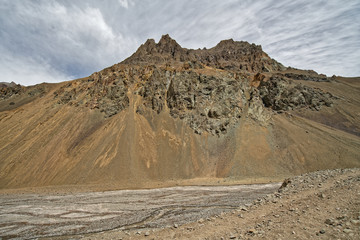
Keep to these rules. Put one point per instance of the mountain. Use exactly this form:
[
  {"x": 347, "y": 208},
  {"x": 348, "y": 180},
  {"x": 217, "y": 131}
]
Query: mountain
[{"x": 169, "y": 115}]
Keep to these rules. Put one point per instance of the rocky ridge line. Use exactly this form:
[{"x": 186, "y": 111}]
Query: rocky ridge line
[{"x": 209, "y": 89}]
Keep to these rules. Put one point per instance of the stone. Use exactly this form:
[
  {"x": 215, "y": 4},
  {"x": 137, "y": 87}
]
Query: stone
[
  {"x": 243, "y": 209},
  {"x": 329, "y": 221},
  {"x": 354, "y": 221},
  {"x": 321, "y": 195}
]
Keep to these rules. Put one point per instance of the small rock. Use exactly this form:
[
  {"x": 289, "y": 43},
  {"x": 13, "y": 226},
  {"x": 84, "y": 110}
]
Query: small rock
[
  {"x": 232, "y": 236},
  {"x": 147, "y": 234},
  {"x": 329, "y": 221},
  {"x": 321, "y": 195},
  {"x": 175, "y": 225},
  {"x": 347, "y": 230},
  {"x": 353, "y": 221},
  {"x": 322, "y": 231}
]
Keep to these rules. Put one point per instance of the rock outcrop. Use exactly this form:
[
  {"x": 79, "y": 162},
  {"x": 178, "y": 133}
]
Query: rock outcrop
[
  {"x": 227, "y": 55},
  {"x": 282, "y": 95},
  {"x": 209, "y": 89}
]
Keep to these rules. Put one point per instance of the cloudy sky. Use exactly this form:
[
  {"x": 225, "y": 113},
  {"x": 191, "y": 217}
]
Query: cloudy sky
[{"x": 51, "y": 41}]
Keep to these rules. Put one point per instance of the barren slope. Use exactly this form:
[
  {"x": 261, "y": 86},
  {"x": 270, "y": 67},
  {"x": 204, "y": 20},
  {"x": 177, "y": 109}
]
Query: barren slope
[{"x": 168, "y": 115}]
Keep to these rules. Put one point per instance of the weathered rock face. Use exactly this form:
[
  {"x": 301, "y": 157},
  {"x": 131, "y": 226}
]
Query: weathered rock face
[
  {"x": 8, "y": 91},
  {"x": 308, "y": 77},
  {"x": 210, "y": 90},
  {"x": 106, "y": 91},
  {"x": 16, "y": 95},
  {"x": 281, "y": 94},
  {"x": 205, "y": 102},
  {"x": 227, "y": 55}
]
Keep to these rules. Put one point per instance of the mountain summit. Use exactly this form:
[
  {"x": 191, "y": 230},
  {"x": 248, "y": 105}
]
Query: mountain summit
[
  {"x": 228, "y": 54},
  {"x": 170, "y": 115}
]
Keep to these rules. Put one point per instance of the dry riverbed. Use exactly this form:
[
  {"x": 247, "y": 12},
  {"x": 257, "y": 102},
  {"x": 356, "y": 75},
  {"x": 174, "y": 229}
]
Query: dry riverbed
[
  {"x": 318, "y": 205},
  {"x": 49, "y": 215}
]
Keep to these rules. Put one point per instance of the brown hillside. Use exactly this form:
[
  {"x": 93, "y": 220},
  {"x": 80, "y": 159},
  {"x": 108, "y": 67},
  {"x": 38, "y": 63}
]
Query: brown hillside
[{"x": 169, "y": 115}]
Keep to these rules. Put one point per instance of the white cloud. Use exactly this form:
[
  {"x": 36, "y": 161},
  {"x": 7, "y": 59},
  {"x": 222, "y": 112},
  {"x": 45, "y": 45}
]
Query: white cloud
[
  {"x": 75, "y": 38},
  {"x": 72, "y": 40},
  {"x": 126, "y": 3},
  {"x": 28, "y": 71}
]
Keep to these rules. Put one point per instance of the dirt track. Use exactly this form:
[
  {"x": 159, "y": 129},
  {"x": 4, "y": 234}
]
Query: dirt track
[{"x": 45, "y": 215}]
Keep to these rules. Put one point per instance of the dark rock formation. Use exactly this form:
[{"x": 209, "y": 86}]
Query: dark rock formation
[
  {"x": 105, "y": 91},
  {"x": 228, "y": 55},
  {"x": 307, "y": 77},
  {"x": 280, "y": 94},
  {"x": 209, "y": 89},
  {"x": 205, "y": 102},
  {"x": 8, "y": 90}
]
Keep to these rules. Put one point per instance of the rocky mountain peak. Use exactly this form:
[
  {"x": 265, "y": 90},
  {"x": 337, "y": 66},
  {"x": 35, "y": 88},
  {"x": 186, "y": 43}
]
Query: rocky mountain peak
[
  {"x": 168, "y": 45},
  {"x": 6, "y": 84},
  {"x": 226, "y": 42},
  {"x": 167, "y": 49},
  {"x": 167, "y": 40},
  {"x": 208, "y": 89},
  {"x": 227, "y": 54}
]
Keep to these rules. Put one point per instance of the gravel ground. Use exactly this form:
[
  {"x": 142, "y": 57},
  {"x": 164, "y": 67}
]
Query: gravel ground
[
  {"x": 319, "y": 205},
  {"x": 44, "y": 215}
]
